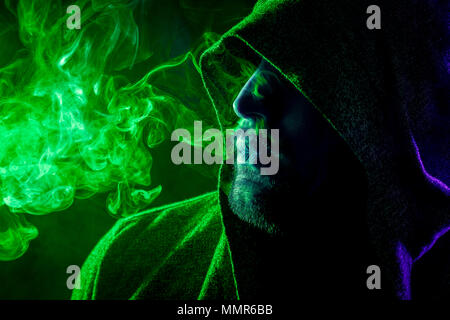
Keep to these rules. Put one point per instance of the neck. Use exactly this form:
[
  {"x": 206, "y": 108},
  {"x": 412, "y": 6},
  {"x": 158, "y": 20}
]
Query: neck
[{"x": 327, "y": 226}]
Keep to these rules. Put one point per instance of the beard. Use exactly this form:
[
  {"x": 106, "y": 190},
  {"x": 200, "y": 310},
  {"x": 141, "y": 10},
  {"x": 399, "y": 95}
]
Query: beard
[{"x": 270, "y": 203}]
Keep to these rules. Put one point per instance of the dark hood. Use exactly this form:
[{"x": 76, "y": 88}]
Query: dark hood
[{"x": 385, "y": 92}]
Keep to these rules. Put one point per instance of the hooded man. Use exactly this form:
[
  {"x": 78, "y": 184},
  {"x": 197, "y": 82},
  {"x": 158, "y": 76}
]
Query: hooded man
[{"x": 363, "y": 122}]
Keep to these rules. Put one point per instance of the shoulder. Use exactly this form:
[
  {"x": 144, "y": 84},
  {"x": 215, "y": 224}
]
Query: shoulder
[
  {"x": 169, "y": 217},
  {"x": 137, "y": 248}
]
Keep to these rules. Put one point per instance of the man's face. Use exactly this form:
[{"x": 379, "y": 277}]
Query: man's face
[{"x": 306, "y": 145}]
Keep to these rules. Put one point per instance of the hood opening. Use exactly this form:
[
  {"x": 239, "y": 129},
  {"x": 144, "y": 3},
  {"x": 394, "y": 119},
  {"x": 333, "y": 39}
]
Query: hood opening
[{"x": 385, "y": 93}]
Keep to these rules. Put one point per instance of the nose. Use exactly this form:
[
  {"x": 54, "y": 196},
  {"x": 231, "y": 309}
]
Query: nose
[{"x": 250, "y": 104}]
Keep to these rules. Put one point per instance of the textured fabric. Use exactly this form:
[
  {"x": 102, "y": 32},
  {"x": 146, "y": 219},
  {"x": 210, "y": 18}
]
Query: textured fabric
[
  {"x": 174, "y": 252},
  {"x": 386, "y": 92}
]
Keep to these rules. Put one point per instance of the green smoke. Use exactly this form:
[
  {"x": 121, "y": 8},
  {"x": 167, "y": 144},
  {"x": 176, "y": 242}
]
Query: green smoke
[{"x": 73, "y": 120}]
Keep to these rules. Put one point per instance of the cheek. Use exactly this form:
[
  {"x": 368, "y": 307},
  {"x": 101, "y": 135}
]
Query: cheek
[
  {"x": 296, "y": 130},
  {"x": 303, "y": 139}
]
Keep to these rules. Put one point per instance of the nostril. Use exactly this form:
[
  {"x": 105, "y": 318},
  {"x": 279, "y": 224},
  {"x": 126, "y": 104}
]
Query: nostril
[
  {"x": 246, "y": 106},
  {"x": 255, "y": 100}
]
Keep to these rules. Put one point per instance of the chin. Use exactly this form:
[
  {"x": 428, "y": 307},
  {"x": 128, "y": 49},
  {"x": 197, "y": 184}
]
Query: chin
[{"x": 253, "y": 198}]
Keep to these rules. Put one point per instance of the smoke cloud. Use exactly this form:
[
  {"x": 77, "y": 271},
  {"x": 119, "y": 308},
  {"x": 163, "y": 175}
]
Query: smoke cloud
[{"x": 74, "y": 121}]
